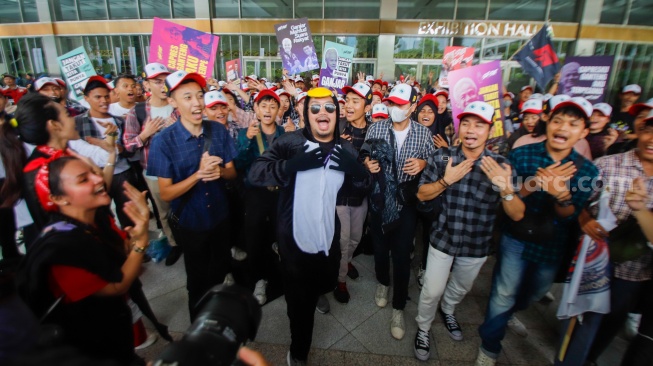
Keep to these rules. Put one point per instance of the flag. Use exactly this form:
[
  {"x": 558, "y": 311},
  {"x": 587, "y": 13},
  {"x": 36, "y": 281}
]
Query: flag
[{"x": 538, "y": 57}]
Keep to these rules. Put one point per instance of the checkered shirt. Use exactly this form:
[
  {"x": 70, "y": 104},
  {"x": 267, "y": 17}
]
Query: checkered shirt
[
  {"x": 525, "y": 161},
  {"x": 617, "y": 173},
  {"x": 464, "y": 226},
  {"x": 133, "y": 129}
]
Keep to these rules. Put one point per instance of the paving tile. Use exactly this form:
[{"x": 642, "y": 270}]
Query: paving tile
[
  {"x": 275, "y": 326},
  {"x": 324, "y": 357},
  {"x": 172, "y": 309},
  {"x": 349, "y": 343},
  {"x": 536, "y": 349},
  {"x": 362, "y": 359},
  {"x": 361, "y": 304},
  {"x": 375, "y": 335},
  {"x": 327, "y": 330},
  {"x": 158, "y": 279},
  {"x": 450, "y": 350}
]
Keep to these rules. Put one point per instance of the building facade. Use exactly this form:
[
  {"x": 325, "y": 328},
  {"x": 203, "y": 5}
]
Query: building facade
[{"x": 391, "y": 37}]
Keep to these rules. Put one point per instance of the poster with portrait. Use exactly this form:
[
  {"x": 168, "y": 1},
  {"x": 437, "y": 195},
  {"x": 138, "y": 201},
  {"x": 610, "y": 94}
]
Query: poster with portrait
[
  {"x": 296, "y": 47},
  {"x": 233, "y": 70},
  {"x": 336, "y": 65},
  {"x": 76, "y": 68},
  {"x": 478, "y": 83},
  {"x": 586, "y": 77},
  {"x": 454, "y": 58},
  {"x": 183, "y": 48}
]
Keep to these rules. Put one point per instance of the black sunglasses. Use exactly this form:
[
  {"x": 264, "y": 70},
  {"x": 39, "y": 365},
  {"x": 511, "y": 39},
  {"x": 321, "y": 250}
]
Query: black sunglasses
[{"x": 329, "y": 107}]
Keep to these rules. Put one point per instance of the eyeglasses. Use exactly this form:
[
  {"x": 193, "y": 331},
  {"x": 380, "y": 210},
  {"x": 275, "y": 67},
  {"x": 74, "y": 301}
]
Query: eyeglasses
[{"x": 329, "y": 107}]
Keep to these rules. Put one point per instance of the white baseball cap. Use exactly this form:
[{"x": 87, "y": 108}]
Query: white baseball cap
[
  {"x": 281, "y": 92},
  {"x": 546, "y": 97},
  {"x": 301, "y": 96},
  {"x": 251, "y": 77},
  {"x": 557, "y": 99},
  {"x": 532, "y": 106},
  {"x": 578, "y": 102},
  {"x": 155, "y": 69},
  {"x": 636, "y": 108},
  {"x": 214, "y": 97},
  {"x": 222, "y": 83},
  {"x": 479, "y": 109},
  {"x": 402, "y": 94},
  {"x": 341, "y": 100},
  {"x": 369, "y": 78},
  {"x": 632, "y": 88},
  {"x": 537, "y": 96},
  {"x": 299, "y": 78},
  {"x": 361, "y": 89},
  {"x": 604, "y": 108},
  {"x": 526, "y": 87},
  {"x": 174, "y": 80},
  {"x": 380, "y": 110},
  {"x": 649, "y": 117},
  {"x": 315, "y": 77},
  {"x": 43, "y": 82}
]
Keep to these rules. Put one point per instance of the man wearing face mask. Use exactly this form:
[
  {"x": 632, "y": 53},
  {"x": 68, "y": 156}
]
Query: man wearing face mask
[
  {"x": 393, "y": 222},
  {"x": 309, "y": 166}
]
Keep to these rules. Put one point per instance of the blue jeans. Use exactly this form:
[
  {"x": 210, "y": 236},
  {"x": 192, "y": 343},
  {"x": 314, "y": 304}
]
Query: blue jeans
[{"x": 516, "y": 283}]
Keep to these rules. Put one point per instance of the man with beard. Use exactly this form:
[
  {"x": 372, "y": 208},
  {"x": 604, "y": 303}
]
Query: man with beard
[{"x": 309, "y": 166}]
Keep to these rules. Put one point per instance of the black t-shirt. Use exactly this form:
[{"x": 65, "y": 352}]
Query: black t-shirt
[
  {"x": 597, "y": 143},
  {"x": 624, "y": 121}
]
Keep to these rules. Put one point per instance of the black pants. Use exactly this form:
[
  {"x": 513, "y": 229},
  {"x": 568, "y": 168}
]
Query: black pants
[
  {"x": 207, "y": 257},
  {"x": 259, "y": 230},
  {"x": 141, "y": 185},
  {"x": 399, "y": 241},
  {"x": 427, "y": 222},
  {"x": 117, "y": 192},
  {"x": 8, "y": 233},
  {"x": 640, "y": 351}
]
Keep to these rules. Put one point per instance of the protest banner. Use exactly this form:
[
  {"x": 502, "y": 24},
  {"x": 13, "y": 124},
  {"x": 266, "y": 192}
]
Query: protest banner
[
  {"x": 296, "y": 46},
  {"x": 455, "y": 58},
  {"x": 76, "y": 68},
  {"x": 586, "y": 77},
  {"x": 182, "y": 48},
  {"x": 478, "y": 83},
  {"x": 336, "y": 65},
  {"x": 233, "y": 70}
]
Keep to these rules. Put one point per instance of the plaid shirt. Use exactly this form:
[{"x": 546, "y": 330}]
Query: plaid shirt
[
  {"x": 617, "y": 174},
  {"x": 464, "y": 226},
  {"x": 86, "y": 128},
  {"x": 525, "y": 160},
  {"x": 418, "y": 144},
  {"x": 133, "y": 129}
]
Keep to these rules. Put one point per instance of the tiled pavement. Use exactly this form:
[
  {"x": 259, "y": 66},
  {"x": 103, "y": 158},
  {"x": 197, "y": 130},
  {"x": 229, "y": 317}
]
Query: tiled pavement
[{"x": 358, "y": 333}]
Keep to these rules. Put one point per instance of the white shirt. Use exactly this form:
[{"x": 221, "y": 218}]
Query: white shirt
[
  {"x": 115, "y": 109},
  {"x": 163, "y": 112},
  {"x": 401, "y": 137}
]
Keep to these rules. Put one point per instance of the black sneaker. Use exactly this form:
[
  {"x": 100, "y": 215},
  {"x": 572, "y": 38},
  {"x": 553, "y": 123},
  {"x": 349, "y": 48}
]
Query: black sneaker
[
  {"x": 422, "y": 345},
  {"x": 452, "y": 325},
  {"x": 174, "y": 255},
  {"x": 352, "y": 272},
  {"x": 341, "y": 294}
]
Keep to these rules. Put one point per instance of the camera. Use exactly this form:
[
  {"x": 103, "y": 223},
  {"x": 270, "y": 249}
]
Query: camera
[{"x": 228, "y": 317}]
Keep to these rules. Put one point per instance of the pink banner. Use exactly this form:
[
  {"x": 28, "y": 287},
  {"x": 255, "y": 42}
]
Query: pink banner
[
  {"x": 455, "y": 58},
  {"x": 182, "y": 48}
]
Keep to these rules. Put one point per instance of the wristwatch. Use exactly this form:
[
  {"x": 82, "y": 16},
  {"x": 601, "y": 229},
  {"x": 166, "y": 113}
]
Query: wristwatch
[{"x": 508, "y": 197}]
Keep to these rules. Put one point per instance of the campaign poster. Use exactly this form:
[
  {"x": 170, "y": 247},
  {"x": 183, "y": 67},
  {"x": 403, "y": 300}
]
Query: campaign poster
[
  {"x": 183, "y": 48},
  {"x": 296, "y": 46},
  {"x": 76, "y": 68},
  {"x": 586, "y": 77},
  {"x": 455, "y": 58},
  {"x": 336, "y": 65},
  {"x": 478, "y": 83},
  {"x": 233, "y": 70}
]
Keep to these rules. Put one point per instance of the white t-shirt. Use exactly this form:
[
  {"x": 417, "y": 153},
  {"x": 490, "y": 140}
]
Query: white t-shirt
[
  {"x": 401, "y": 137},
  {"x": 117, "y": 110},
  {"x": 163, "y": 112}
]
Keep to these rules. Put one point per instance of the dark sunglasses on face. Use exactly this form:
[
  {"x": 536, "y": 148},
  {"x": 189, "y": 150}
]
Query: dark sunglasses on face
[{"x": 329, "y": 107}]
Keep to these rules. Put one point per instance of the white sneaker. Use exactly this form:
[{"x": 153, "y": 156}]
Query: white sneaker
[
  {"x": 484, "y": 360},
  {"x": 631, "y": 328},
  {"x": 259, "y": 291},
  {"x": 517, "y": 326},
  {"x": 238, "y": 254},
  {"x": 228, "y": 279},
  {"x": 381, "y": 296},
  {"x": 549, "y": 297},
  {"x": 397, "y": 326},
  {"x": 151, "y": 339}
]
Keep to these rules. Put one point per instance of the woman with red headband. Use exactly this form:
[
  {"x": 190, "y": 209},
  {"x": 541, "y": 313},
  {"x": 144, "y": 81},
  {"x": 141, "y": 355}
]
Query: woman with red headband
[{"x": 77, "y": 273}]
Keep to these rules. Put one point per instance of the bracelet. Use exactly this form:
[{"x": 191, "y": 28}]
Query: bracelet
[
  {"x": 110, "y": 164},
  {"x": 113, "y": 134},
  {"x": 138, "y": 249},
  {"x": 445, "y": 183}
]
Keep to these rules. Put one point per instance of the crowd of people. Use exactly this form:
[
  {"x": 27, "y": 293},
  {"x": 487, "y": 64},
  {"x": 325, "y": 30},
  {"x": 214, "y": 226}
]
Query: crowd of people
[{"x": 290, "y": 176}]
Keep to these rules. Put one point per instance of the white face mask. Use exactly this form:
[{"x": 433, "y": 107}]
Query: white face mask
[
  {"x": 398, "y": 115},
  {"x": 508, "y": 103}
]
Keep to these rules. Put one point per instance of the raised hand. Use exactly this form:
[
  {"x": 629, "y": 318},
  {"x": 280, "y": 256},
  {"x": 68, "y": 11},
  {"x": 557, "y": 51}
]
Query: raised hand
[
  {"x": 499, "y": 175},
  {"x": 372, "y": 165},
  {"x": 636, "y": 196},
  {"x": 253, "y": 130},
  {"x": 347, "y": 163},
  {"x": 414, "y": 166},
  {"x": 152, "y": 126},
  {"x": 137, "y": 211},
  {"x": 439, "y": 141},
  {"x": 304, "y": 160},
  {"x": 453, "y": 174}
]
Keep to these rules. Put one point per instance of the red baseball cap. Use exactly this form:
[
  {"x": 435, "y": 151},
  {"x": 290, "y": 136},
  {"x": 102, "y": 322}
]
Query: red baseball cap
[{"x": 267, "y": 92}]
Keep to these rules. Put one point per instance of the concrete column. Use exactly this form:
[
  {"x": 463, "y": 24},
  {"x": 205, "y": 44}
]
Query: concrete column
[
  {"x": 385, "y": 52},
  {"x": 591, "y": 14}
]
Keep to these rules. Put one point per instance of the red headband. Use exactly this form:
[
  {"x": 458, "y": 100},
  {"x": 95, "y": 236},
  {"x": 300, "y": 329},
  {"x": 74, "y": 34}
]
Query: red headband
[{"x": 42, "y": 179}]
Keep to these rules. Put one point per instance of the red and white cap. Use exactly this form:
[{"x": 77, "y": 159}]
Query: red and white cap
[
  {"x": 251, "y": 77},
  {"x": 265, "y": 80},
  {"x": 281, "y": 92},
  {"x": 380, "y": 110},
  {"x": 266, "y": 92},
  {"x": 299, "y": 79},
  {"x": 526, "y": 87},
  {"x": 402, "y": 94},
  {"x": 315, "y": 77},
  {"x": 649, "y": 117},
  {"x": 578, "y": 102},
  {"x": 557, "y": 99},
  {"x": 301, "y": 96},
  {"x": 43, "y": 82},
  {"x": 100, "y": 79},
  {"x": 604, "y": 108},
  {"x": 214, "y": 97},
  {"x": 441, "y": 92},
  {"x": 532, "y": 106},
  {"x": 482, "y": 110},
  {"x": 509, "y": 94},
  {"x": 632, "y": 88},
  {"x": 378, "y": 94},
  {"x": 378, "y": 81},
  {"x": 369, "y": 78},
  {"x": 176, "y": 78},
  {"x": 155, "y": 69},
  {"x": 341, "y": 100},
  {"x": 546, "y": 97},
  {"x": 636, "y": 108},
  {"x": 361, "y": 89}
]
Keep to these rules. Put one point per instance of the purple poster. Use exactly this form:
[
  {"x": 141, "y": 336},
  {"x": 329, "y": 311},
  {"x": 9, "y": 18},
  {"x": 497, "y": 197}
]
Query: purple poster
[
  {"x": 586, "y": 77},
  {"x": 483, "y": 83},
  {"x": 296, "y": 47}
]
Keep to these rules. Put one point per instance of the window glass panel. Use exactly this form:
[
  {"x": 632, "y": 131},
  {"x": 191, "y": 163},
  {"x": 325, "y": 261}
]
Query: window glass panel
[
  {"x": 521, "y": 10},
  {"x": 425, "y": 9},
  {"x": 563, "y": 11},
  {"x": 365, "y": 46},
  {"x": 30, "y": 13},
  {"x": 420, "y": 47},
  {"x": 155, "y": 8},
  {"x": 256, "y": 67},
  {"x": 100, "y": 52},
  {"x": 123, "y": 9},
  {"x": 252, "y": 45},
  {"x": 500, "y": 49},
  {"x": 471, "y": 9},
  {"x": 225, "y": 8},
  {"x": 613, "y": 11},
  {"x": 183, "y": 8},
  {"x": 368, "y": 68},
  {"x": 92, "y": 10},
  {"x": 360, "y": 9},
  {"x": 518, "y": 78},
  {"x": 641, "y": 12},
  {"x": 9, "y": 12},
  {"x": 426, "y": 69},
  {"x": 266, "y": 8},
  {"x": 406, "y": 70},
  {"x": 308, "y": 9},
  {"x": 64, "y": 10},
  {"x": 477, "y": 43},
  {"x": 228, "y": 49}
]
